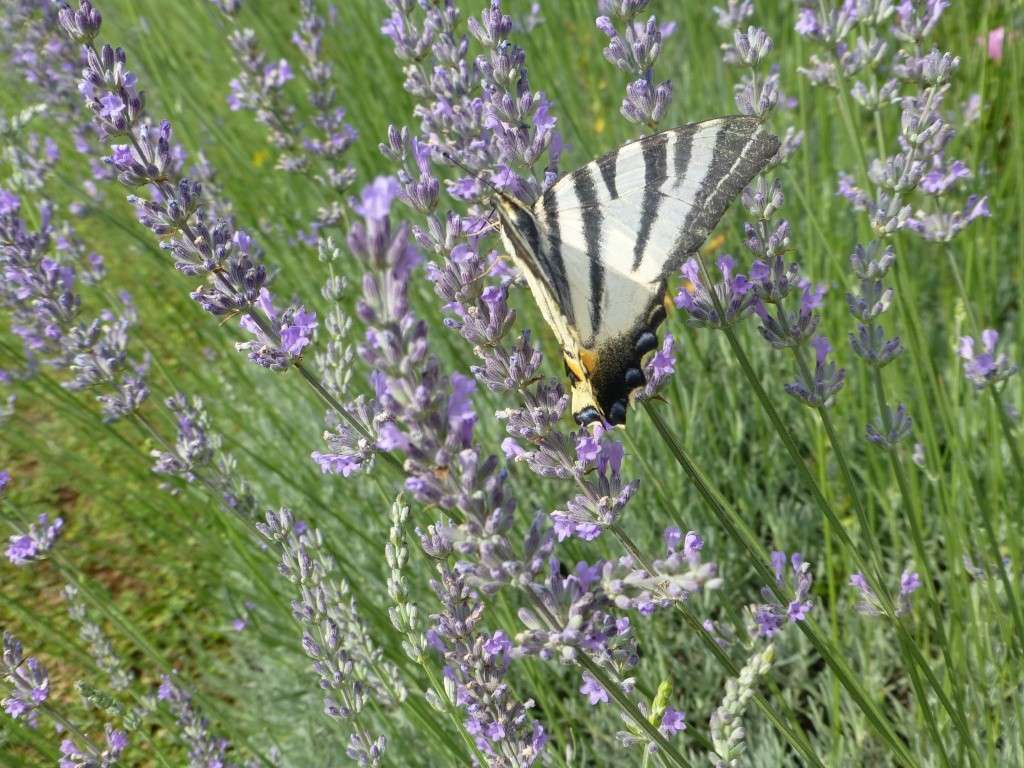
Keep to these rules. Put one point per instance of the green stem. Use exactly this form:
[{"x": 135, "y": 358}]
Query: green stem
[
  {"x": 881, "y": 591},
  {"x": 735, "y": 527},
  {"x": 339, "y": 409},
  {"x": 929, "y": 718},
  {"x": 792, "y": 731},
  {"x": 627, "y": 705},
  {"x": 1007, "y": 427},
  {"x": 997, "y": 558}
]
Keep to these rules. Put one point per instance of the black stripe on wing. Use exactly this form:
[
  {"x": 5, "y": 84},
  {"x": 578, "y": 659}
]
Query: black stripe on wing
[
  {"x": 736, "y": 162},
  {"x": 551, "y": 256},
  {"x": 608, "y": 165},
  {"x": 586, "y": 192},
  {"x": 738, "y": 156},
  {"x": 655, "y": 154},
  {"x": 682, "y": 152},
  {"x": 739, "y": 126}
]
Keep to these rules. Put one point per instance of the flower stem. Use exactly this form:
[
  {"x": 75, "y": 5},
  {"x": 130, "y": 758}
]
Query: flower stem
[
  {"x": 792, "y": 732},
  {"x": 667, "y": 748},
  {"x": 997, "y": 558},
  {"x": 1007, "y": 427},
  {"x": 735, "y": 527},
  {"x": 879, "y": 586},
  {"x": 338, "y": 408}
]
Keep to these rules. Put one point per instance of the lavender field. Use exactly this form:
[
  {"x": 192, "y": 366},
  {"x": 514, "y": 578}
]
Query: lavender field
[{"x": 350, "y": 414}]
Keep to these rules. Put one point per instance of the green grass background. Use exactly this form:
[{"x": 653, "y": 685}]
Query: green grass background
[{"x": 179, "y": 569}]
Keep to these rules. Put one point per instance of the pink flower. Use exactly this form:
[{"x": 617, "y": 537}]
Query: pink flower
[{"x": 993, "y": 43}]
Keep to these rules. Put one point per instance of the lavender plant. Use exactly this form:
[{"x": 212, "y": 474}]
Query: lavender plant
[
  {"x": 39, "y": 293},
  {"x": 204, "y": 747},
  {"x": 316, "y": 147},
  {"x": 28, "y": 680},
  {"x": 635, "y": 51},
  {"x": 347, "y": 661},
  {"x": 482, "y": 316},
  {"x": 532, "y": 616}
]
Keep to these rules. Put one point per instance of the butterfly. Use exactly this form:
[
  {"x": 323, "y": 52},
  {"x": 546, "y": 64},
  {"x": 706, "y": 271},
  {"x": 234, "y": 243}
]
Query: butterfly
[{"x": 597, "y": 247}]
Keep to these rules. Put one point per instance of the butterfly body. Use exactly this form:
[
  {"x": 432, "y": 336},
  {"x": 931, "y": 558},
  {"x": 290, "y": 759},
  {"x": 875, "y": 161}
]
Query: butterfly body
[{"x": 597, "y": 247}]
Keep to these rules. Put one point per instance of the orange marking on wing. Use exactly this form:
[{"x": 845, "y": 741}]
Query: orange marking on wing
[
  {"x": 574, "y": 368},
  {"x": 668, "y": 303},
  {"x": 713, "y": 244},
  {"x": 589, "y": 359}
]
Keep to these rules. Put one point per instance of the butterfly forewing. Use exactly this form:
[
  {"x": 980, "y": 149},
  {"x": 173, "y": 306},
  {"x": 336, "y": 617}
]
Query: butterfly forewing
[
  {"x": 630, "y": 217},
  {"x": 609, "y": 234}
]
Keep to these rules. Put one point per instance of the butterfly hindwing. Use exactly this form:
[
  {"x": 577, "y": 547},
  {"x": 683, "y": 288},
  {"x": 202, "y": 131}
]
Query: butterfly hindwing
[{"x": 608, "y": 234}]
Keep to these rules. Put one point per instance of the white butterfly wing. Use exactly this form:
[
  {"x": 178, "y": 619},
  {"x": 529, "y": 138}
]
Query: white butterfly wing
[
  {"x": 629, "y": 218},
  {"x": 602, "y": 240}
]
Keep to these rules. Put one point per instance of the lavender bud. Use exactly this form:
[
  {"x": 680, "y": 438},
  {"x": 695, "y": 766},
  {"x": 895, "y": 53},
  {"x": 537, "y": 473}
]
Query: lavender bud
[
  {"x": 892, "y": 426},
  {"x": 81, "y": 25}
]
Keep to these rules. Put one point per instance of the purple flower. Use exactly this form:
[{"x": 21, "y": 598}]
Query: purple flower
[
  {"x": 295, "y": 335},
  {"x": 910, "y": 582},
  {"x": 940, "y": 179},
  {"x": 806, "y": 22},
  {"x": 461, "y": 415},
  {"x": 590, "y": 574},
  {"x": 498, "y": 644},
  {"x": 593, "y": 690},
  {"x": 672, "y": 538},
  {"x": 988, "y": 367},
  {"x": 770, "y": 616},
  {"x": 29, "y": 683},
  {"x": 194, "y": 728},
  {"x": 117, "y": 740},
  {"x": 32, "y": 546},
  {"x": 798, "y": 610},
  {"x": 778, "y": 560},
  {"x": 9, "y": 202},
  {"x": 377, "y": 197},
  {"x": 692, "y": 545},
  {"x": 672, "y": 721},
  {"x": 820, "y": 388},
  {"x": 280, "y": 337},
  {"x": 858, "y": 582},
  {"x": 338, "y": 464},
  {"x": 868, "y": 602},
  {"x": 588, "y": 448},
  {"x": 476, "y": 665},
  {"x": 276, "y": 75},
  {"x": 635, "y": 52},
  {"x": 659, "y": 368},
  {"x": 915, "y": 75},
  {"x": 694, "y": 298},
  {"x": 112, "y": 106}
]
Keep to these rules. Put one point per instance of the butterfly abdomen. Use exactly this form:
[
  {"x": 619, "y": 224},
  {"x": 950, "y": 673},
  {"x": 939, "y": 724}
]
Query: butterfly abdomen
[{"x": 617, "y": 367}]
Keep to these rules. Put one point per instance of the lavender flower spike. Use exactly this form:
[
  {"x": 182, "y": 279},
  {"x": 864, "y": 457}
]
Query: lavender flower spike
[
  {"x": 33, "y": 545},
  {"x": 695, "y": 299},
  {"x": 82, "y": 754},
  {"x": 349, "y": 666},
  {"x": 29, "y": 683},
  {"x": 476, "y": 665},
  {"x": 988, "y": 367},
  {"x": 634, "y": 52},
  {"x": 280, "y": 339},
  {"x": 818, "y": 390},
  {"x": 770, "y": 616},
  {"x": 869, "y": 604},
  {"x": 727, "y": 732},
  {"x": 173, "y": 210},
  {"x": 204, "y": 747}
]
